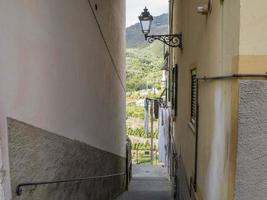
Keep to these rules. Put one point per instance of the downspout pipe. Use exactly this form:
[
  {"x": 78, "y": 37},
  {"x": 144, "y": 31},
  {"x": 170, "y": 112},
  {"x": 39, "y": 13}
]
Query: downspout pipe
[
  {"x": 210, "y": 78},
  {"x": 196, "y": 144},
  {"x": 232, "y": 76}
]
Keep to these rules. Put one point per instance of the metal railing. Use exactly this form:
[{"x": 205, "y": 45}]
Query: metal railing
[
  {"x": 19, "y": 186},
  {"x": 126, "y": 174},
  {"x": 232, "y": 76},
  {"x": 143, "y": 155}
]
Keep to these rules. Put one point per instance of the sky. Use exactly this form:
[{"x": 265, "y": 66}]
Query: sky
[{"x": 135, "y": 7}]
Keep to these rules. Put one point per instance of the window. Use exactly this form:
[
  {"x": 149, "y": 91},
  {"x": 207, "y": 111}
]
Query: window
[
  {"x": 193, "y": 96},
  {"x": 174, "y": 88}
]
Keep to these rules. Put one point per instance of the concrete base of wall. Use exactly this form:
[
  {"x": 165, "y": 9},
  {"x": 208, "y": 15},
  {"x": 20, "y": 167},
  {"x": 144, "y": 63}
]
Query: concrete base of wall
[
  {"x": 183, "y": 187},
  {"x": 251, "y": 180},
  {"x": 37, "y": 155}
]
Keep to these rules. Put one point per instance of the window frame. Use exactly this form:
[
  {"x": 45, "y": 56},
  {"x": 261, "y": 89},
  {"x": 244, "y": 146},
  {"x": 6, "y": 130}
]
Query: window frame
[
  {"x": 175, "y": 88},
  {"x": 193, "y": 96}
]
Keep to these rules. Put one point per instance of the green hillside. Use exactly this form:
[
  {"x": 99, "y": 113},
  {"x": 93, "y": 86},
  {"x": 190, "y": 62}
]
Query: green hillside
[
  {"x": 143, "y": 67},
  {"x": 144, "y": 60}
]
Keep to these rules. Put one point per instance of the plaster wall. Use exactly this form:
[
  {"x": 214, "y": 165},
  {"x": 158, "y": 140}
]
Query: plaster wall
[
  {"x": 253, "y": 40},
  {"x": 111, "y": 18},
  {"x": 39, "y": 155},
  {"x": 62, "y": 70},
  {"x": 228, "y": 40},
  {"x": 251, "y": 177},
  {"x": 211, "y": 44}
]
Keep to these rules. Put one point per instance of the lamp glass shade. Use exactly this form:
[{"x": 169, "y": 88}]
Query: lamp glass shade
[
  {"x": 145, "y": 20},
  {"x": 146, "y": 26}
]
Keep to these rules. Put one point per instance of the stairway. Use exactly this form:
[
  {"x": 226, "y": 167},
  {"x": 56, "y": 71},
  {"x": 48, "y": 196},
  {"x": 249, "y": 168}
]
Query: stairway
[{"x": 148, "y": 183}]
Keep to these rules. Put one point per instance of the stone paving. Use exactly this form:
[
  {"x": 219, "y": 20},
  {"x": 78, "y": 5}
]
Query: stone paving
[{"x": 148, "y": 183}]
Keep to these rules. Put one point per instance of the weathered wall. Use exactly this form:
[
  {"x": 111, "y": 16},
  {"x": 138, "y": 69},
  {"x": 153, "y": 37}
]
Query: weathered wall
[
  {"x": 251, "y": 177},
  {"x": 211, "y": 44},
  {"x": 62, "y": 70},
  {"x": 183, "y": 189},
  {"x": 226, "y": 41},
  {"x": 38, "y": 155}
]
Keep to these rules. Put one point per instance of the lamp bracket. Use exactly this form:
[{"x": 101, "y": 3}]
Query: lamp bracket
[{"x": 172, "y": 40}]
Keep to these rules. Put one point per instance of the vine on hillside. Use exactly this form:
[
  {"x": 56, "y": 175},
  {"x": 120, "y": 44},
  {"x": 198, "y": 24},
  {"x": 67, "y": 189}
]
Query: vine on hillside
[{"x": 139, "y": 132}]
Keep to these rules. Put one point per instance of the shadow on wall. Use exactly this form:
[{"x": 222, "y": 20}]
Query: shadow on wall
[{"x": 37, "y": 155}]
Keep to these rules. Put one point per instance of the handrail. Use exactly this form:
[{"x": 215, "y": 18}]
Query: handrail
[
  {"x": 145, "y": 149},
  {"x": 19, "y": 186}
]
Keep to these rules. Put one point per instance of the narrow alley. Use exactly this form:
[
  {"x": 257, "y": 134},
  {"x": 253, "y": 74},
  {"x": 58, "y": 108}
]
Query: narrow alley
[
  {"x": 149, "y": 182},
  {"x": 133, "y": 100}
]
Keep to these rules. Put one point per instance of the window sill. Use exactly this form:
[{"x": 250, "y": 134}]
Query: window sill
[{"x": 192, "y": 126}]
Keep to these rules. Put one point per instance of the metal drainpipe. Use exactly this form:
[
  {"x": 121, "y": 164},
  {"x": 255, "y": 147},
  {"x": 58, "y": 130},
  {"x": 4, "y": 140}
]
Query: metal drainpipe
[
  {"x": 196, "y": 144},
  {"x": 231, "y": 76},
  {"x": 210, "y": 78},
  {"x": 127, "y": 168},
  {"x": 152, "y": 132}
]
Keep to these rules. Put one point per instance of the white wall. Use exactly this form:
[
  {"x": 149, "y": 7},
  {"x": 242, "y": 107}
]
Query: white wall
[{"x": 56, "y": 72}]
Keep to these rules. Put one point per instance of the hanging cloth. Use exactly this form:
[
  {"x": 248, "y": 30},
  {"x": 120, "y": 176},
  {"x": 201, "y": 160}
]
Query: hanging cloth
[
  {"x": 164, "y": 135},
  {"x": 167, "y": 121},
  {"x": 161, "y": 136},
  {"x": 156, "y": 109},
  {"x": 146, "y": 119}
]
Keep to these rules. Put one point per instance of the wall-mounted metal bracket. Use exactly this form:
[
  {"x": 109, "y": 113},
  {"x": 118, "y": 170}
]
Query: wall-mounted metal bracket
[{"x": 172, "y": 40}]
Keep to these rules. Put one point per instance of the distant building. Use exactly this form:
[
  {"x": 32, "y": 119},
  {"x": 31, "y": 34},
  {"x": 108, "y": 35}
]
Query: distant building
[
  {"x": 62, "y": 98},
  {"x": 220, "y": 125}
]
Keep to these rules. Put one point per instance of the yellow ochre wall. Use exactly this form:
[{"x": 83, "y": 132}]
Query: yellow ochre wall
[{"x": 224, "y": 42}]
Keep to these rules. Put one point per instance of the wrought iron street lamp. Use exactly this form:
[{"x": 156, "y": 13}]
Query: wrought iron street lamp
[{"x": 172, "y": 40}]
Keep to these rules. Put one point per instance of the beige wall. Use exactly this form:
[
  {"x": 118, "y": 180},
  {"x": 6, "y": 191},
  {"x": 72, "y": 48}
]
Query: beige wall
[
  {"x": 229, "y": 40},
  {"x": 56, "y": 72},
  {"x": 253, "y": 37},
  {"x": 211, "y": 44}
]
